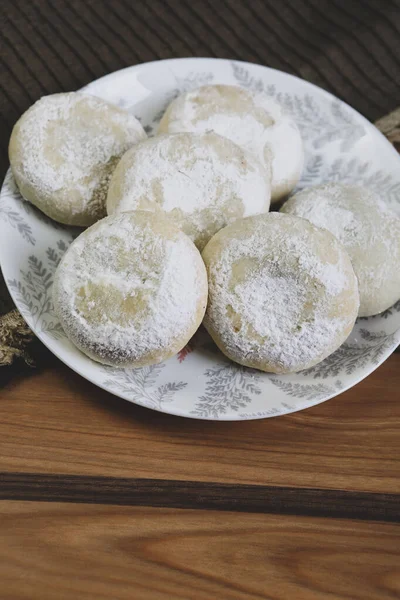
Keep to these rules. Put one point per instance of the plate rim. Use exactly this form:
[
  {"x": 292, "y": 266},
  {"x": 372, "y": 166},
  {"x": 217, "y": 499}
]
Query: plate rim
[
  {"x": 168, "y": 409},
  {"x": 319, "y": 89}
]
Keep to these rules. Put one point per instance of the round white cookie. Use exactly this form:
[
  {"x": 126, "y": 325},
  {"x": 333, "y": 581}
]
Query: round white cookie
[
  {"x": 282, "y": 293},
  {"x": 202, "y": 182},
  {"x": 254, "y": 121},
  {"x": 369, "y": 231},
  {"x": 131, "y": 290},
  {"x": 63, "y": 150}
]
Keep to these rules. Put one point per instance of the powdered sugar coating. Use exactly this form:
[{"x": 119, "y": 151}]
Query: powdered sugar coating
[
  {"x": 131, "y": 290},
  {"x": 202, "y": 181},
  {"x": 369, "y": 231},
  {"x": 282, "y": 293},
  {"x": 63, "y": 151},
  {"x": 252, "y": 120}
]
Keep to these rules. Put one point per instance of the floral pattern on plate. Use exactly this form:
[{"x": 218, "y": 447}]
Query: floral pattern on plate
[{"x": 200, "y": 382}]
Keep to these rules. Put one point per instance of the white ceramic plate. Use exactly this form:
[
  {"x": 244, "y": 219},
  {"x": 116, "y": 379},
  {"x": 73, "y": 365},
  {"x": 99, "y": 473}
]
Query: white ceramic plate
[{"x": 200, "y": 383}]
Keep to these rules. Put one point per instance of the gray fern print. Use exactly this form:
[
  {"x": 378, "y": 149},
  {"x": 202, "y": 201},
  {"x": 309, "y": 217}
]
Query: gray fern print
[
  {"x": 228, "y": 387},
  {"x": 13, "y": 214},
  {"x": 391, "y": 311},
  {"x": 308, "y": 391},
  {"x": 351, "y": 357},
  {"x": 13, "y": 209},
  {"x": 318, "y": 124},
  {"x": 33, "y": 291},
  {"x": 319, "y": 169},
  {"x": 139, "y": 385}
]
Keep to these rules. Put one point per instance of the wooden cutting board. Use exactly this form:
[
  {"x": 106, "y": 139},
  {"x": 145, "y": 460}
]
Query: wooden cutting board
[{"x": 101, "y": 498}]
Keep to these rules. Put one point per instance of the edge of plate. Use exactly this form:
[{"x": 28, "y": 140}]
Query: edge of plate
[{"x": 177, "y": 413}]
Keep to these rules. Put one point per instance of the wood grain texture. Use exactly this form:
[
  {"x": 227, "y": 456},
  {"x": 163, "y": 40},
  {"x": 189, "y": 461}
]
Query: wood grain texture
[
  {"x": 98, "y": 552},
  {"x": 71, "y": 441},
  {"x": 53, "y": 421},
  {"x": 200, "y": 495}
]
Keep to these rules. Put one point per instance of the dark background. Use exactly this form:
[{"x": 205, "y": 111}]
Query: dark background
[{"x": 350, "y": 48}]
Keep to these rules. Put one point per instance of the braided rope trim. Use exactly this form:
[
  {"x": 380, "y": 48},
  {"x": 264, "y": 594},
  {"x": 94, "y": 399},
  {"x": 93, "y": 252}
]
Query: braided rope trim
[
  {"x": 15, "y": 336},
  {"x": 390, "y": 126}
]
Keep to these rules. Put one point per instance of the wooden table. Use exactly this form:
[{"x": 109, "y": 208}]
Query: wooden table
[
  {"x": 101, "y": 499},
  {"x": 104, "y": 499}
]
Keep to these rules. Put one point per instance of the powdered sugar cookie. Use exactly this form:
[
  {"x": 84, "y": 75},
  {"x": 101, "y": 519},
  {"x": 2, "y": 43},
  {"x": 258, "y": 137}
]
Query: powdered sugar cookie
[
  {"x": 131, "y": 290},
  {"x": 369, "y": 231},
  {"x": 202, "y": 182},
  {"x": 63, "y": 151},
  {"x": 282, "y": 293},
  {"x": 254, "y": 121}
]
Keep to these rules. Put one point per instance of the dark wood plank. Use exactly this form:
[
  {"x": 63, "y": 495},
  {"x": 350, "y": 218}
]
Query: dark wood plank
[
  {"x": 53, "y": 421},
  {"x": 199, "y": 495},
  {"x": 68, "y": 551},
  {"x": 60, "y": 45}
]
